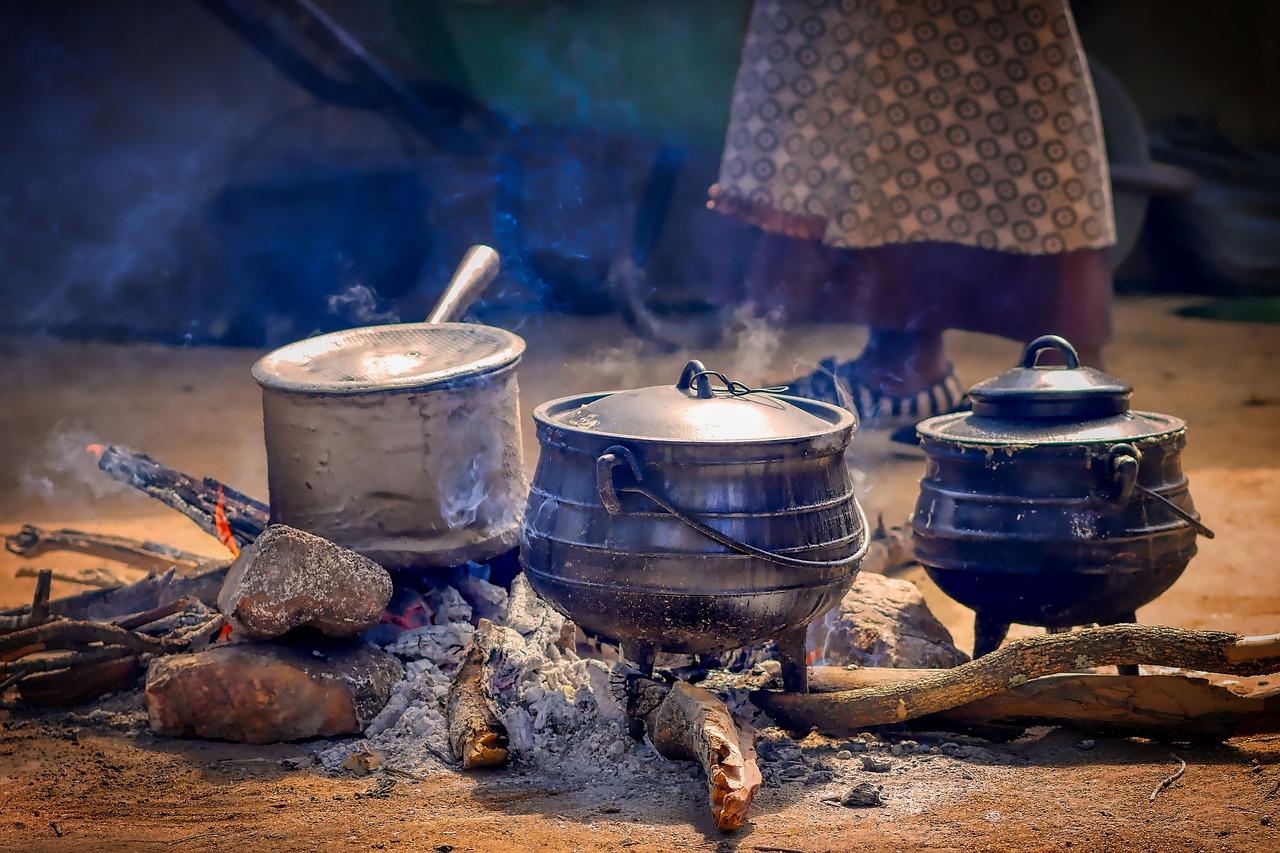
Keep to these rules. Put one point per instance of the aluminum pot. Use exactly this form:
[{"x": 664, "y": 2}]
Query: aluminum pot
[
  {"x": 693, "y": 518},
  {"x": 1051, "y": 503},
  {"x": 401, "y": 442}
]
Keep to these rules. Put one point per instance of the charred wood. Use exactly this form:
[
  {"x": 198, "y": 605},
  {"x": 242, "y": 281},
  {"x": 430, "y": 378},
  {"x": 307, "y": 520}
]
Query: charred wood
[
  {"x": 476, "y": 737},
  {"x": 196, "y": 499}
]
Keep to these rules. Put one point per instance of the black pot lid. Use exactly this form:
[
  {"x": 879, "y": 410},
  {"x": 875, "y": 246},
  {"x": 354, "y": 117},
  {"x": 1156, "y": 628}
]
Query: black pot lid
[
  {"x": 694, "y": 410},
  {"x": 1033, "y": 391}
]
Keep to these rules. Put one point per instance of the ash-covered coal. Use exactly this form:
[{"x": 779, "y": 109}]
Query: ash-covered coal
[{"x": 557, "y": 707}]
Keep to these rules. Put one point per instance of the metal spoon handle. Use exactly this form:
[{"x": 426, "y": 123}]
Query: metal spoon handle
[{"x": 479, "y": 266}]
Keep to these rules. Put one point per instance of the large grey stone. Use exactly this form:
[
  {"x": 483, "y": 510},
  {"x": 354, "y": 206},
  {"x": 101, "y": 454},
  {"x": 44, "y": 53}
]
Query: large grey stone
[
  {"x": 883, "y": 622},
  {"x": 270, "y": 692},
  {"x": 287, "y": 578}
]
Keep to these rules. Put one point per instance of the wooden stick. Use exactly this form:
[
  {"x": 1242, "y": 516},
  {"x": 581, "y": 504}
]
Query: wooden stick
[
  {"x": 1169, "y": 780},
  {"x": 32, "y": 541},
  {"x": 1013, "y": 665},
  {"x": 38, "y": 613},
  {"x": 146, "y": 617},
  {"x": 104, "y": 605},
  {"x": 52, "y": 635},
  {"x": 1164, "y": 707},
  {"x": 196, "y": 499},
  {"x": 692, "y": 724},
  {"x": 476, "y": 736},
  {"x": 99, "y": 578},
  {"x": 50, "y": 664}
]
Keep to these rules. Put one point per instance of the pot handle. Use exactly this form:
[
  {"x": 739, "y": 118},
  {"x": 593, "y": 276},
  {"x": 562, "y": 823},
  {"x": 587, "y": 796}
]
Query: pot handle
[
  {"x": 608, "y": 491},
  {"x": 1125, "y": 462}
]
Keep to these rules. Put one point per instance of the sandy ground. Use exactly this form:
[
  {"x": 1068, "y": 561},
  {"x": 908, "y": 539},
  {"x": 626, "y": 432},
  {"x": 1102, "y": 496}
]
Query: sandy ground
[{"x": 198, "y": 410}]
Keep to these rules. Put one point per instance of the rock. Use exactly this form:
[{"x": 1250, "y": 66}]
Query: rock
[
  {"x": 287, "y": 578},
  {"x": 884, "y": 622},
  {"x": 270, "y": 692},
  {"x": 875, "y": 763},
  {"x": 863, "y": 795}
]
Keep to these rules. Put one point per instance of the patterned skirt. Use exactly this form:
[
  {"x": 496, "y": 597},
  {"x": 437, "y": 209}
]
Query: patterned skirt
[{"x": 863, "y": 123}]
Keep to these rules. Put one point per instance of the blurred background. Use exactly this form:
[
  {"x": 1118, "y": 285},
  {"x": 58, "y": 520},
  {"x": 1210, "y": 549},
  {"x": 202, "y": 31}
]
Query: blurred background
[{"x": 248, "y": 172}]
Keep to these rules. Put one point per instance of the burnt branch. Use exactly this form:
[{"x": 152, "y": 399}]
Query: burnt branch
[
  {"x": 196, "y": 499},
  {"x": 57, "y": 634},
  {"x": 32, "y": 541},
  {"x": 38, "y": 612}
]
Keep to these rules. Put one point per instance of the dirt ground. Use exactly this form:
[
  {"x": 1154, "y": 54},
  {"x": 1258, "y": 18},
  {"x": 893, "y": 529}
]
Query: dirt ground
[{"x": 85, "y": 781}]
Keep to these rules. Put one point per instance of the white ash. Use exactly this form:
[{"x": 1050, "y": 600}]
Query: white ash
[{"x": 557, "y": 707}]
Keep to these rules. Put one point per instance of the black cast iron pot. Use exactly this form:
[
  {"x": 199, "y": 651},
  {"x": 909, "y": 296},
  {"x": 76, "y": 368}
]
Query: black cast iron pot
[
  {"x": 1051, "y": 503},
  {"x": 693, "y": 518}
]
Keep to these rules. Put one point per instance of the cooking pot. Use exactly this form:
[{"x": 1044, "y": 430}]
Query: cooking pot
[
  {"x": 1051, "y": 503},
  {"x": 401, "y": 442},
  {"x": 695, "y": 517}
]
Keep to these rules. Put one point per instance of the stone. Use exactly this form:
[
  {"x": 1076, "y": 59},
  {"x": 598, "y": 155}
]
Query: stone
[
  {"x": 270, "y": 692},
  {"x": 883, "y": 622},
  {"x": 287, "y": 578},
  {"x": 863, "y": 795}
]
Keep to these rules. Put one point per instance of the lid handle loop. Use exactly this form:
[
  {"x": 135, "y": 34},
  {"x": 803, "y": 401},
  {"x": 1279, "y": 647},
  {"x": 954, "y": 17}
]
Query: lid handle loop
[{"x": 1051, "y": 342}]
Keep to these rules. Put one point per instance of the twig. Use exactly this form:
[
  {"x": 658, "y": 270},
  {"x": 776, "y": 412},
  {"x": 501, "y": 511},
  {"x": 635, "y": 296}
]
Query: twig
[
  {"x": 12, "y": 680},
  {"x": 146, "y": 617},
  {"x": 99, "y": 578},
  {"x": 28, "y": 667},
  {"x": 1177, "y": 774},
  {"x": 33, "y": 541},
  {"x": 39, "y": 612},
  {"x": 52, "y": 635},
  {"x": 1275, "y": 789}
]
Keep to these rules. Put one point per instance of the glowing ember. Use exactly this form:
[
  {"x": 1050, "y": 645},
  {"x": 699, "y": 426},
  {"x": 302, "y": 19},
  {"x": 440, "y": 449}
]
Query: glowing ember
[
  {"x": 225, "y": 536},
  {"x": 97, "y": 451}
]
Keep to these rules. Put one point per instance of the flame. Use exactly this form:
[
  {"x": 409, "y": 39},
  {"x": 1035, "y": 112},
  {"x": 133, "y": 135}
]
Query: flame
[
  {"x": 225, "y": 536},
  {"x": 97, "y": 450},
  {"x": 223, "y": 633}
]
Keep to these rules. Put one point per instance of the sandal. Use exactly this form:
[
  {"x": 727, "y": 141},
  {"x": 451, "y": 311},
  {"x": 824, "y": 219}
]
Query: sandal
[{"x": 843, "y": 384}]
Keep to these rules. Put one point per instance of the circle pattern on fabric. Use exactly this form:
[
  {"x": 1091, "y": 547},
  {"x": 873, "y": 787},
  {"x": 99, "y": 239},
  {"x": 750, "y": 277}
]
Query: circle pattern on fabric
[{"x": 906, "y": 120}]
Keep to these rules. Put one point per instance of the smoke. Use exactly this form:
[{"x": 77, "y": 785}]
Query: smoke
[
  {"x": 360, "y": 305},
  {"x": 754, "y": 341},
  {"x": 67, "y": 470}
]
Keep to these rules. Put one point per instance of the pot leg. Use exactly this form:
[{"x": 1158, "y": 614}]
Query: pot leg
[
  {"x": 793, "y": 650},
  {"x": 988, "y": 634},
  {"x": 641, "y": 655},
  {"x": 1126, "y": 668}
]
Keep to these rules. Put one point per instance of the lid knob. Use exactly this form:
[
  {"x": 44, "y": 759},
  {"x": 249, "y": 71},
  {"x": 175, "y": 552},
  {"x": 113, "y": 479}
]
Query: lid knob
[
  {"x": 1051, "y": 342},
  {"x": 1060, "y": 392},
  {"x": 695, "y": 372}
]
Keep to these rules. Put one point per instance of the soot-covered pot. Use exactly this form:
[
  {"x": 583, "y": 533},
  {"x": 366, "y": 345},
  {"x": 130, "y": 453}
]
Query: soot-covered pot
[
  {"x": 693, "y": 517},
  {"x": 1052, "y": 503}
]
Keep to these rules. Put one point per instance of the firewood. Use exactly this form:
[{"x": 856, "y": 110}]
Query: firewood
[
  {"x": 105, "y": 605},
  {"x": 32, "y": 541},
  {"x": 56, "y": 634},
  {"x": 1017, "y": 663},
  {"x": 98, "y": 578},
  {"x": 37, "y": 613},
  {"x": 80, "y": 684},
  {"x": 196, "y": 499},
  {"x": 1162, "y": 707},
  {"x": 692, "y": 724},
  {"x": 476, "y": 736}
]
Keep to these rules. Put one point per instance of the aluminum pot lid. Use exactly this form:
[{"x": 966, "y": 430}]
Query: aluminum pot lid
[
  {"x": 964, "y": 428},
  {"x": 1032, "y": 391},
  {"x": 696, "y": 410},
  {"x": 417, "y": 356}
]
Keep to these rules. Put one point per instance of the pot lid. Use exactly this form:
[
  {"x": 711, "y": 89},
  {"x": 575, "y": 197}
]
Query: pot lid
[
  {"x": 696, "y": 410},
  {"x": 1060, "y": 392},
  {"x": 1011, "y": 435},
  {"x": 386, "y": 358}
]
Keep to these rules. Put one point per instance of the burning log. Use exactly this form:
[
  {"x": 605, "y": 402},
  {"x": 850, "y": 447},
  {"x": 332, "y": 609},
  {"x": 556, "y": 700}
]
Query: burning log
[
  {"x": 1016, "y": 664},
  {"x": 32, "y": 541},
  {"x": 197, "y": 499},
  {"x": 689, "y": 723},
  {"x": 476, "y": 736},
  {"x": 1163, "y": 707}
]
